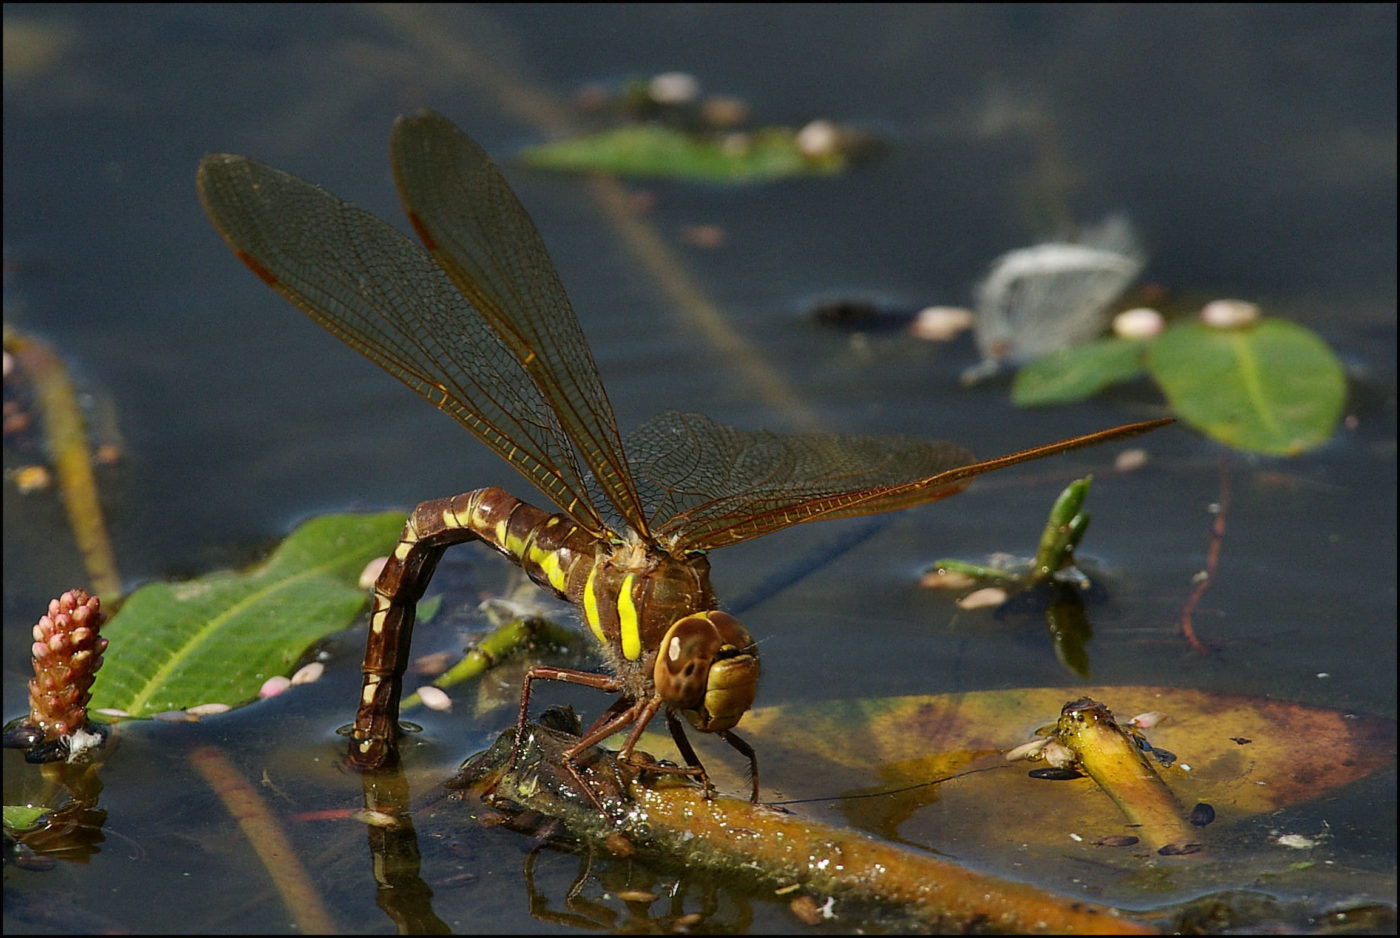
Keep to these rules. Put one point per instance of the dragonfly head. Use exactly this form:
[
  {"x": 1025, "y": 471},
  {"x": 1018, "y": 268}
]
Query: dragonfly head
[{"x": 707, "y": 668}]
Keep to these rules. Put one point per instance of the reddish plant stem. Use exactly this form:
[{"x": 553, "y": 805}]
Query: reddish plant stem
[{"x": 1217, "y": 536}]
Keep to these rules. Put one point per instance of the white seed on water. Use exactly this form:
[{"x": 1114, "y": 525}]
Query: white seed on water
[
  {"x": 1229, "y": 314},
  {"x": 674, "y": 88},
  {"x": 1130, "y": 459},
  {"x": 990, "y": 597},
  {"x": 309, "y": 673},
  {"x": 946, "y": 580},
  {"x": 208, "y": 710},
  {"x": 820, "y": 138},
  {"x": 942, "y": 323},
  {"x": 1146, "y": 721},
  {"x": 434, "y": 698},
  {"x": 1139, "y": 322},
  {"x": 274, "y": 686},
  {"x": 1028, "y": 750}
]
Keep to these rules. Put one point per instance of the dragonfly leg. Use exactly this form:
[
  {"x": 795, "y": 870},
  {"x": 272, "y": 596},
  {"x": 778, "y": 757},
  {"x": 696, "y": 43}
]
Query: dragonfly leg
[
  {"x": 616, "y": 717},
  {"x": 746, "y": 750},
  {"x": 692, "y": 761}
]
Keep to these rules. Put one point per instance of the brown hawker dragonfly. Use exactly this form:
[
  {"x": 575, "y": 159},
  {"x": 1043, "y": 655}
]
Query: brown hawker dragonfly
[{"x": 479, "y": 324}]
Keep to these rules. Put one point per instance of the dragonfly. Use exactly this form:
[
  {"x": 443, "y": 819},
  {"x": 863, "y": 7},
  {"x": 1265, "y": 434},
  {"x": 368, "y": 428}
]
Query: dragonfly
[{"x": 477, "y": 321}]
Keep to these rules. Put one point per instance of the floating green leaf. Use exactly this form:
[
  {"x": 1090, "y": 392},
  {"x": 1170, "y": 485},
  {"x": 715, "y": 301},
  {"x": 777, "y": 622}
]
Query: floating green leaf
[
  {"x": 1272, "y": 387},
  {"x": 658, "y": 151},
  {"x": 217, "y": 638},
  {"x": 1074, "y": 374},
  {"x": 22, "y": 817}
]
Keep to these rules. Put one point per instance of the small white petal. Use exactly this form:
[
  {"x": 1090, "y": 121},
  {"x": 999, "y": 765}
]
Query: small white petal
[
  {"x": 1130, "y": 459},
  {"x": 434, "y": 698},
  {"x": 992, "y": 596},
  {"x": 1028, "y": 750},
  {"x": 1229, "y": 314},
  {"x": 942, "y": 323},
  {"x": 208, "y": 710},
  {"x": 1145, "y": 721},
  {"x": 1138, "y": 323},
  {"x": 674, "y": 88},
  {"x": 274, "y": 686}
]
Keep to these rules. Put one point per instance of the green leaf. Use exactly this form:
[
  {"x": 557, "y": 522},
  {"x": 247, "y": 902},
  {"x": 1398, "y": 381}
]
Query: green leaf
[
  {"x": 1271, "y": 387},
  {"x": 22, "y": 817},
  {"x": 1074, "y": 374},
  {"x": 653, "y": 150},
  {"x": 217, "y": 638}
]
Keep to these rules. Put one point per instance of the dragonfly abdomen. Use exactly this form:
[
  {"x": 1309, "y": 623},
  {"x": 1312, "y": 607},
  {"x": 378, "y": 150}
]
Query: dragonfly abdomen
[{"x": 552, "y": 550}]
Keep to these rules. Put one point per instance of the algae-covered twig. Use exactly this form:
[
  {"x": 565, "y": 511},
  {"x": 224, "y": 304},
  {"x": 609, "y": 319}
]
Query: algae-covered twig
[{"x": 670, "y": 822}]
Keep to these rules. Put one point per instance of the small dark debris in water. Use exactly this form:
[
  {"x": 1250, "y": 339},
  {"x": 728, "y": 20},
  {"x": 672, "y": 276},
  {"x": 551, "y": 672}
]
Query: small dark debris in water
[
  {"x": 1117, "y": 840},
  {"x": 1241, "y": 740},
  {"x": 35, "y": 863},
  {"x": 1180, "y": 850},
  {"x": 1055, "y": 775},
  {"x": 857, "y": 314},
  {"x": 21, "y": 735},
  {"x": 1162, "y": 755},
  {"x": 1202, "y": 814}
]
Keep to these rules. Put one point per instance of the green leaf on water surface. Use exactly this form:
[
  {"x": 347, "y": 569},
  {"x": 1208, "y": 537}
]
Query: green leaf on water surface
[
  {"x": 1271, "y": 387},
  {"x": 657, "y": 151},
  {"x": 21, "y": 817},
  {"x": 1077, "y": 373},
  {"x": 218, "y": 638}
]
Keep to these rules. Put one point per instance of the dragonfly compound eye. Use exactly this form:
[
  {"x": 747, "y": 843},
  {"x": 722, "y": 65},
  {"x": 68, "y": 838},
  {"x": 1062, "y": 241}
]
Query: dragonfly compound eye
[{"x": 708, "y": 668}]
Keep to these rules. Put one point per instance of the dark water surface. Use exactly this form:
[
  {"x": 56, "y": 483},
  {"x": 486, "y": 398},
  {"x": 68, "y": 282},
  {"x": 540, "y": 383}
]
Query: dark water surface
[{"x": 1254, "y": 148}]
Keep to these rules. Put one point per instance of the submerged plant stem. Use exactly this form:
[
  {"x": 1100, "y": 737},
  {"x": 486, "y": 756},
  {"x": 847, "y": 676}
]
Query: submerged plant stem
[
  {"x": 243, "y": 803},
  {"x": 66, "y": 439}
]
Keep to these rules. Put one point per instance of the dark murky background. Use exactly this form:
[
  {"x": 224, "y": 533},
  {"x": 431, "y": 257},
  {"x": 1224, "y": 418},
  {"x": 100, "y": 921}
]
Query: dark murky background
[{"x": 1253, "y": 147}]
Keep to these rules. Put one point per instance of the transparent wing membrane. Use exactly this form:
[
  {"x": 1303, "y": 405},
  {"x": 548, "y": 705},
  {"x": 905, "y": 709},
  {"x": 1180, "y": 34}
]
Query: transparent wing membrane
[
  {"x": 708, "y": 484},
  {"x": 384, "y": 296},
  {"x": 479, "y": 233}
]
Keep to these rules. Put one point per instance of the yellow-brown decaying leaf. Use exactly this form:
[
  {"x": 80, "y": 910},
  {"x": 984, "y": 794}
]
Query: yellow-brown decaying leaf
[{"x": 930, "y": 771}]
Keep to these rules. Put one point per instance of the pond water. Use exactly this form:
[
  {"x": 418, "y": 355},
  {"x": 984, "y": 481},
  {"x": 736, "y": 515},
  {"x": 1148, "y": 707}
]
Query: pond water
[{"x": 1253, "y": 148}]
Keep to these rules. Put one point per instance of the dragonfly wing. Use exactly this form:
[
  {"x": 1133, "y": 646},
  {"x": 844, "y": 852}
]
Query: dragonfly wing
[
  {"x": 479, "y": 233},
  {"x": 380, "y": 293},
  {"x": 712, "y": 484}
]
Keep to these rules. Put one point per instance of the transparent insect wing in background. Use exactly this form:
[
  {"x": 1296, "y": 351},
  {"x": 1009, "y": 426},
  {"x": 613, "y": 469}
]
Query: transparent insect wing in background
[{"x": 1052, "y": 295}]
